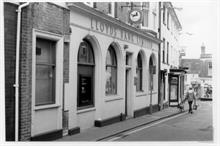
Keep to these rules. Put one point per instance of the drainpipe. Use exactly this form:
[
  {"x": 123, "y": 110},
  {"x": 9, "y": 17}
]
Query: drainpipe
[
  {"x": 159, "y": 58},
  {"x": 16, "y": 85}
]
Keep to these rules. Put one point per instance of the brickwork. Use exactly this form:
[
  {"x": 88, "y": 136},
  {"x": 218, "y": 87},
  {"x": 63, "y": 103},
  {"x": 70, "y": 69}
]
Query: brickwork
[
  {"x": 25, "y": 75},
  {"x": 10, "y": 23},
  {"x": 42, "y": 16}
]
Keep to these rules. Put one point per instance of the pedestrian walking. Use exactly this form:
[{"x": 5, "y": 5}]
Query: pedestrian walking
[{"x": 190, "y": 96}]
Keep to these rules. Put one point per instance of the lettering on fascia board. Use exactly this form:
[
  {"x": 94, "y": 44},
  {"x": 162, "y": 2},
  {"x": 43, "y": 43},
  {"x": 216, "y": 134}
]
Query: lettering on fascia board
[{"x": 113, "y": 31}]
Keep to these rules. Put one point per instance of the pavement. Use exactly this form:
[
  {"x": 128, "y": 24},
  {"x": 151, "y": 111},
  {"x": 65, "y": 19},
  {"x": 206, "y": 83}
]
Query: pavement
[{"x": 98, "y": 133}]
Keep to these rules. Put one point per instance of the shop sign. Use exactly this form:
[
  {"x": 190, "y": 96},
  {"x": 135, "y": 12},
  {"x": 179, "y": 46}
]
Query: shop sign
[{"x": 119, "y": 33}]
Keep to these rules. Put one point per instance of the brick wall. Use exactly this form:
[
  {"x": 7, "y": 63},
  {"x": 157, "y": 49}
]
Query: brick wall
[
  {"x": 42, "y": 16},
  {"x": 10, "y": 23}
]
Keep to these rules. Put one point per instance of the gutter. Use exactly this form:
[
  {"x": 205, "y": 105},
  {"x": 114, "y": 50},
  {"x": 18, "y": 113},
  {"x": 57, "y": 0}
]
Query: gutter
[{"x": 16, "y": 85}]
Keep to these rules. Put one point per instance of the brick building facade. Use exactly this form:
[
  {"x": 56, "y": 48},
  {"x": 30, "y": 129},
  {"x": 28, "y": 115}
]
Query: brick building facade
[
  {"x": 46, "y": 17},
  {"x": 10, "y": 20},
  {"x": 200, "y": 69}
]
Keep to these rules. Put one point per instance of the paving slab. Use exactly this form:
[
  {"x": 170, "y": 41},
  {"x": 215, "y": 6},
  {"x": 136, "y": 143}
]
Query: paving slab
[{"x": 96, "y": 133}]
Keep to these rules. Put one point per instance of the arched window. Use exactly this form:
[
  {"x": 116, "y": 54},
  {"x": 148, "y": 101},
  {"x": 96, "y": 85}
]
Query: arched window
[
  {"x": 111, "y": 72},
  {"x": 139, "y": 71},
  {"x": 151, "y": 73},
  {"x": 86, "y": 84}
]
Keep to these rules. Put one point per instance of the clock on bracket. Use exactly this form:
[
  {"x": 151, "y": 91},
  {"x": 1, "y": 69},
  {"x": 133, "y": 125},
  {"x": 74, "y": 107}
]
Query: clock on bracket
[{"x": 135, "y": 16}]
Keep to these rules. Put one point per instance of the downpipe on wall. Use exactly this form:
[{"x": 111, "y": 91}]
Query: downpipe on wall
[{"x": 16, "y": 85}]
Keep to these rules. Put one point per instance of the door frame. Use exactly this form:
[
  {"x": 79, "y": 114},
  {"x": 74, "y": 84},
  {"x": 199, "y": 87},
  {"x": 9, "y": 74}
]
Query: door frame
[
  {"x": 58, "y": 105},
  {"x": 177, "y": 84}
]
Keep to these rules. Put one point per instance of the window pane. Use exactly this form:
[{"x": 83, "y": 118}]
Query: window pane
[
  {"x": 85, "y": 54},
  {"x": 85, "y": 97},
  {"x": 111, "y": 80},
  {"x": 45, "y": 51},
  {"x": 111, "y": 57},
  {"x": 111, "y": 72},
  {"x": 45, "y": 72},
  {"x": 145, "y": 5},
  {"x": 139, "y": 73},
  {"x": 45, "y": 81},
  {"x": 145, "y": 18},
  {"x": 139, "y": 61},
  {"x": 85, "y": 76},
  {"x": 139, "y": 80}
]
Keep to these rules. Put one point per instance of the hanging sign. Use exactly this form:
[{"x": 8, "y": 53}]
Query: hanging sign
[{"x": 135, "y": 16}]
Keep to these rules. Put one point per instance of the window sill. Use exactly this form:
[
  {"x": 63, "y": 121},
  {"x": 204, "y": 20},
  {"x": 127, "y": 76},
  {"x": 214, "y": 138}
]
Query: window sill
[
  {"x": 140, "y": 93},
  {"x": 86, "y": 110},
  {"x": 153, "y": 92},
  {"x": 44, "y": 107},
  {"x": 109, "y": 98}
]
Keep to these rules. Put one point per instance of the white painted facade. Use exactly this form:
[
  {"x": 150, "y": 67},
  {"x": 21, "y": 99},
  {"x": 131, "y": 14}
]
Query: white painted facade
[
  {"x": 153, "y": 13},
  {"x": 93, "y": 27},
  {"x": 171, "y": 36}
]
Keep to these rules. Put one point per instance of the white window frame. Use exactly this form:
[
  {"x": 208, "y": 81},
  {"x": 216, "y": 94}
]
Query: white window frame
[
  {"x": 148, "y": 9},
  {"x": 112, "y": 14},
  {"x": 59, "y": 68}
]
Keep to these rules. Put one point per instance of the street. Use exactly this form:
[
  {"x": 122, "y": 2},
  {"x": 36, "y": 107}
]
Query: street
[{"x": 188, "y": 127}]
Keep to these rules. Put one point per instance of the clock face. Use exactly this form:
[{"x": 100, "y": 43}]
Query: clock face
[{"x": 135, "y": 15}]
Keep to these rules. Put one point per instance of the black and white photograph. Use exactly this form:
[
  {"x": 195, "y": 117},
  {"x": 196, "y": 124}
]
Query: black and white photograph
[{"x": 110, "y": 72}]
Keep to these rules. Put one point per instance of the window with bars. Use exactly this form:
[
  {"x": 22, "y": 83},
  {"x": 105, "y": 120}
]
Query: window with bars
[{"x": 210, "y": 65}]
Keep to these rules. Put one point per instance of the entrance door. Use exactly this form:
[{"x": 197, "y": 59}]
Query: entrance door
[{"x": 174, "y": 92}]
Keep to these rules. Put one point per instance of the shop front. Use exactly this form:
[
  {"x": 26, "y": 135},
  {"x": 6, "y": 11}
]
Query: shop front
[
  {"x": 109, "y": 70},
  {"x": 176, "y": 86}
]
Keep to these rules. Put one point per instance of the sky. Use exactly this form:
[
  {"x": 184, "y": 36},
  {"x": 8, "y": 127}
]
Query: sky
[{"x": 200, "y": 19}]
